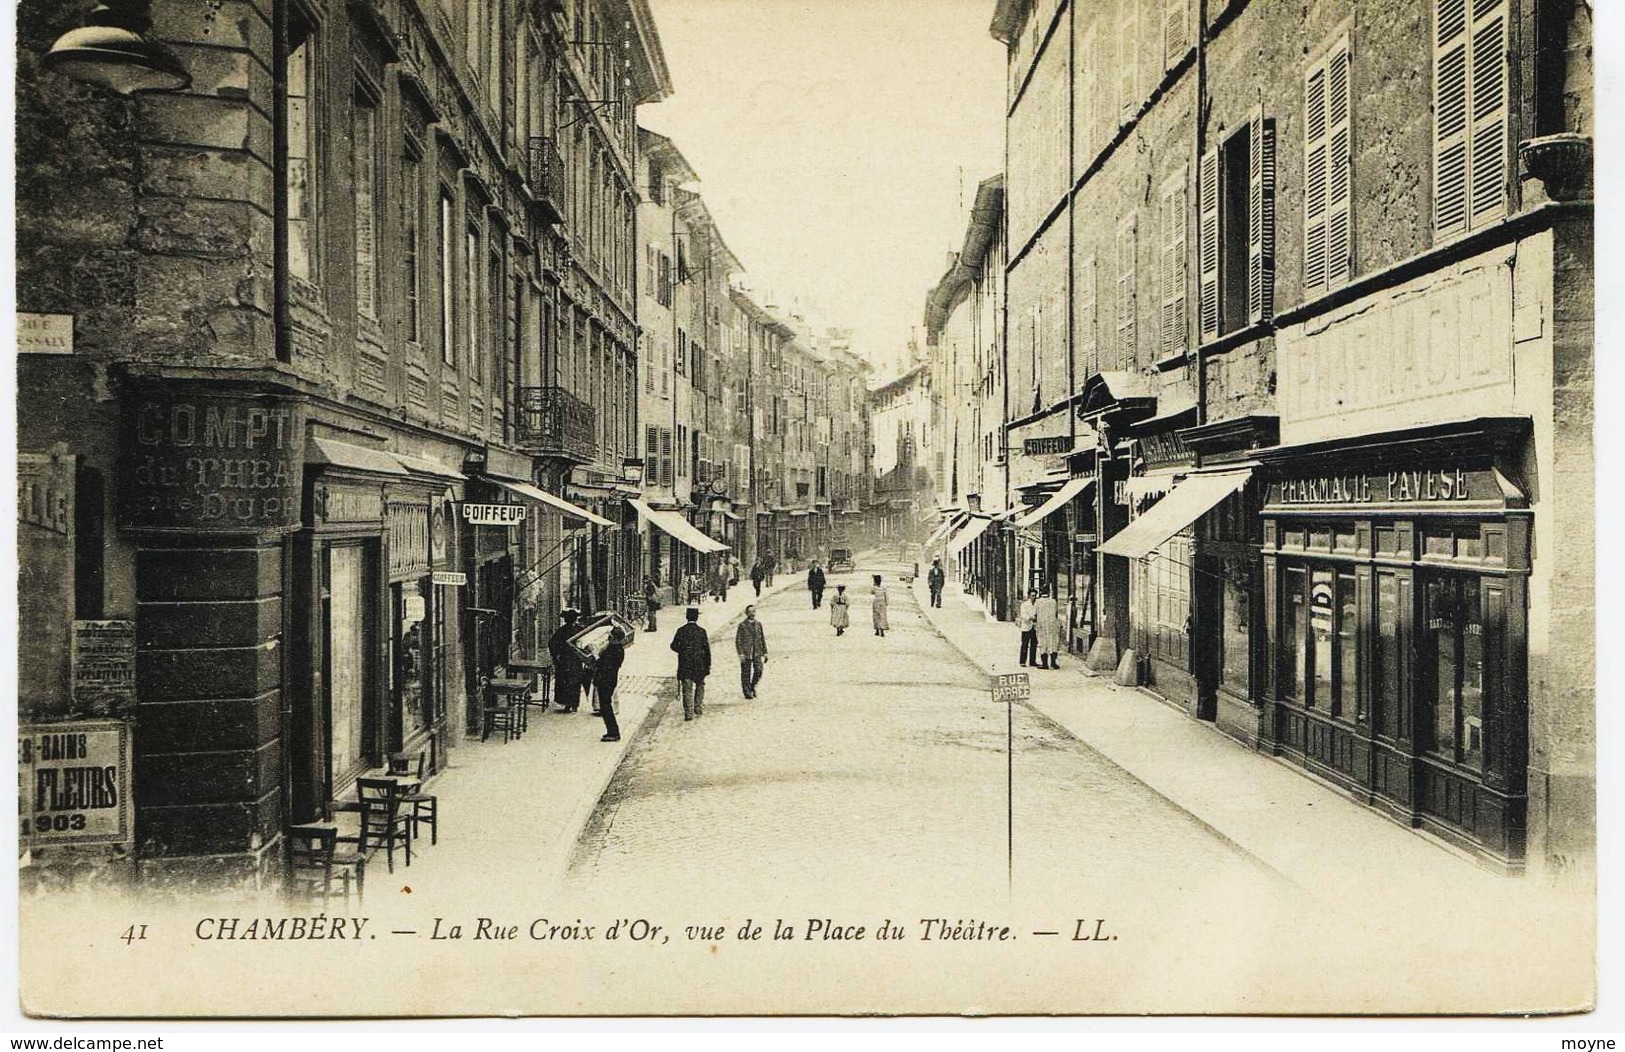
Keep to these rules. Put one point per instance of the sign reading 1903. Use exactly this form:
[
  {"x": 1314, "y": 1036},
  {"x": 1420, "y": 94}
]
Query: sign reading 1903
[{"x": 75, "y": 779}]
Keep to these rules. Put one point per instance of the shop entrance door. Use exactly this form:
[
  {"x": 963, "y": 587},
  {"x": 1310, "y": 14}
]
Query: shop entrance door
[{"x": 344, "y": 662}]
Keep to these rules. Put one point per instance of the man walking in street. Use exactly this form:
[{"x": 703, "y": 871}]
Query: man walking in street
[
  {"x": 771, "y": 563},
  {"x": 693, "y": 649},
  {"x": 1027, "y": 622},
  {"x": 751, "y": 643},
  {"x": 606, "y": 676},
  {"x": 933, "y": 579},
  {"x": 651, "y": 603},
  {"x": 757, "y": 573},
  {"x": 815, "y": 584},
  {"x": 566, "y": 663}
]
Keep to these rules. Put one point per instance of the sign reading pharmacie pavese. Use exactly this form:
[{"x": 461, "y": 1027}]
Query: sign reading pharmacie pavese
[
  {"x": 1426, "y": 486},
  {"x": 75, "y": 780}
]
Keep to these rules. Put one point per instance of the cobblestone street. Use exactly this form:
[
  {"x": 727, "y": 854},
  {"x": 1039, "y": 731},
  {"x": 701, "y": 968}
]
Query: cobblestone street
[{"x": 874, "y": 768}]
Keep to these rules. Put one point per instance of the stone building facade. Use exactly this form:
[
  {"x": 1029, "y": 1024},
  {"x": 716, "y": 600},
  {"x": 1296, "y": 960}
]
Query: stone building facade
[
  {"x": 1302, "y": 296},
  {"x": 348, "y": 382}
]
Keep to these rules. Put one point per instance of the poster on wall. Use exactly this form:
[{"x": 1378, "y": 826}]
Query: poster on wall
[
  {"x": 75, "y": 779},
  {"x": 103, "y": 661}
]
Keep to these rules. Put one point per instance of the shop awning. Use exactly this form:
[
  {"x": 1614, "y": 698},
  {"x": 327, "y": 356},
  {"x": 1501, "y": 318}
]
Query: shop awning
[
  {"x": 973, "y": 529},
  {"x": 678, "y": 528},
  {"x": 333, "y": 453},
  {"x": 1188, "y": 501},
  {"x": 432, "y": 468},
  {"x": 557, "y": 503},
  {"x": 1059, "y": 499},
  {"x": 943, "y": 529},
  {"x": 1151, "y": 484}
]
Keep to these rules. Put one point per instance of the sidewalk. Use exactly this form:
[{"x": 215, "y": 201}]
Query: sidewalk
[
  {"x": 518, "y": 807},
  {"x": 1306, "y": 831}
]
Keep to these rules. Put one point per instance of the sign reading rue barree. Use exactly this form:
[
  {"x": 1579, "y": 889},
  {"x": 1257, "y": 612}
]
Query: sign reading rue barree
[{"x": 1012, "y": 686}]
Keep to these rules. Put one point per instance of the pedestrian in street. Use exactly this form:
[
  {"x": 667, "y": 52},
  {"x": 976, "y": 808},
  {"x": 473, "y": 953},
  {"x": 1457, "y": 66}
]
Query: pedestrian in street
[
  {"x": 840, "y": 610},
  {"x": 733, "y": 569},
  {"x": 877, "y": 607},
  {"x": 772, "y": 563},
  {"x": 1047, "y": 618},
  {"x": 567, "y": 666},
  {"x": 651, "y": 603},
  {"x": 693, "y": 649},
  {"x": 606, "y": 676},
  {"x": 751, "y": 643},
  {"x": 815, "y": 584},
  {"x": 757, "y": 574},
  {"x": 1027, "y": 622},
  {"x": 934, "y": 579},
  {"x": 719, "y": 580}
]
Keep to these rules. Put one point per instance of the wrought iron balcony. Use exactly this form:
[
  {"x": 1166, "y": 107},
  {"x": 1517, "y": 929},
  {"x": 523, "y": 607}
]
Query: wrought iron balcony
[
  {"x": 552, "y": 422},
  {"x": 547, "y": 178}
]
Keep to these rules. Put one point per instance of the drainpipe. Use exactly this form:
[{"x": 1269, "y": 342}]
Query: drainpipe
[{"x": 1201, "y": 147}]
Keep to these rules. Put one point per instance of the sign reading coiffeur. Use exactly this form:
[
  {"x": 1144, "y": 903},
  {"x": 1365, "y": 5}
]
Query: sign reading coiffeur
[
  {"x": 200, "y": 461},
  {"x": 493, "y": 514}
]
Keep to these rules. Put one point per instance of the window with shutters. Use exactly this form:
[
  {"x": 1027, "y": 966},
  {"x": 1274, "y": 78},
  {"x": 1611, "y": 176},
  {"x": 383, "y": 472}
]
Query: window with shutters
[
  {"x": 411, "y": 205},
  {"x": 447, "y": 264},
  {"x": 1236, "y": 225},
  {"x": 1086, "y": 340},
  {"x": 302, "y": 173},
  {"x": 364, "y": 182},
  {"x": 1176, "y": 32},
  {"x": 1470, "y": 151},
  {"x": 1327, "y": 251},
  {"x": 1171, "y": 266},
  {"x": 1126, "y": 350},
  {"x": 1128, "y": 57},
  {"x": 682, "y": 353}
]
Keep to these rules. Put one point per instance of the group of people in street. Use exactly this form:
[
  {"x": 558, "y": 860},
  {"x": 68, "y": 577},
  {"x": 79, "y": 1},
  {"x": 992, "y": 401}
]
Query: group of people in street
[
  {"x": 573, "y": 670},
  {"x": 761, "y": 571},
  {"x": 692, "y": 646},
  {"x": 1039, "y": 619}
]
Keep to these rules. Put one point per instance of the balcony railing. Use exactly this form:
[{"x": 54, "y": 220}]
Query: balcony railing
[
  {"x": 552, "y": 422},
  {"x": 547, "y": 178}
]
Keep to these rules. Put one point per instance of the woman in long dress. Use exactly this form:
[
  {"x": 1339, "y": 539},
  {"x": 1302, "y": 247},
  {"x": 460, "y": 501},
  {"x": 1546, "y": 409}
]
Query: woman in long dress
[
  {"x": 1049, "y": 631},
  {"x": 877, "y": 606},
  {"x": 840, "y": 612}
]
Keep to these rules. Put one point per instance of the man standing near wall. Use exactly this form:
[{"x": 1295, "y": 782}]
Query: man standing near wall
[{"x": 934, "y": 580}]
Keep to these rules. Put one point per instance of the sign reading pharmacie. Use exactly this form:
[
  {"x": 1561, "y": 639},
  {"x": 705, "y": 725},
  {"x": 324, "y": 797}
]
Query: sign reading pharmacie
[
  {"x": 1427, "y": 486},
  {"x": 195, "y": 460},
  {"x": 75, "y": 781}
]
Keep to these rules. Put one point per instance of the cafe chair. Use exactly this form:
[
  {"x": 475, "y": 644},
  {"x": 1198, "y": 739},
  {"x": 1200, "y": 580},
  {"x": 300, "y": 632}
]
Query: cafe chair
[
  {"x": 498, "y": 714},
  {"x": 384, "y": 818},
  {"x": 425, "y": 807},
  {"x": 315, "y": 864}
]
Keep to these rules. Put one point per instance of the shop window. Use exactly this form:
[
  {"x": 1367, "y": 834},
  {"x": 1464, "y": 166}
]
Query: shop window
[
  {"x": 1453, "y": 676},
  {"x": 1320, "y": 538},
  {"x": 1346, "y": 687},
  {"x": 410, "y": 603},
  {"x": 1387, "y": 540},
  {"x": 1293, "y": 538},
  {"x": 345, "y": 662},
  {"x": 1391, "y": 590},
  {"x": 1294, "y": 633},
  {"x": 1345, "y": 539}
]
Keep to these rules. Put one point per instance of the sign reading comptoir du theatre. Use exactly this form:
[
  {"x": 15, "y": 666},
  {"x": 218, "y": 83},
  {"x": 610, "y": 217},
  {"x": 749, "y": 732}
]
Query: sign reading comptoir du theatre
[{"x": 197, "y": 460}]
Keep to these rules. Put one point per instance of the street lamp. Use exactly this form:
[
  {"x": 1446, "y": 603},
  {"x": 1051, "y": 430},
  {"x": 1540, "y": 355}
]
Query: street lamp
[
  {"x": 112, "y": 50},
  {"x": 632, "y": 471}
]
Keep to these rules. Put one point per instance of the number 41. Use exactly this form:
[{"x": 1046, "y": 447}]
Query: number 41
[{"x": 134, "y": 932}]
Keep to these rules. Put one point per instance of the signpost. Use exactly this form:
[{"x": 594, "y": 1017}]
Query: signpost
[{"x": 1010, "y": 687}]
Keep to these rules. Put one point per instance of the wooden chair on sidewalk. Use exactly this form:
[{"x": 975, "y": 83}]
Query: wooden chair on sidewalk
[
  {"x": 315, "y": 863},
  {"x": 425, "y": 806},
  {"x": 384, "y": 818}
]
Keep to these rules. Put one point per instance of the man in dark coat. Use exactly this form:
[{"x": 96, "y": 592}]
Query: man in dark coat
[
  {"x": 815, "y": 584},
  {"x": 770, "y": 563},
  {"x": 693, "y": 649},
  {"x": 933, "y": 579},
  {"x": 567, "y": 666},
  {"x": 751, "y": 643},
  {"x": 757, "y": 573},
  {"x": 606, "y": 676}
]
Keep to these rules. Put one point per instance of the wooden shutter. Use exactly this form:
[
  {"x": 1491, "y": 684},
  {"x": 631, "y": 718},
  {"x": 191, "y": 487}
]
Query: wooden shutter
[
  {"x": 1173, "y": 265},
  {"x": 665, "y": 456},
  {"x": 1208, "y": 245},
  {"x": 1450, "y": 37},
  {"x": 1086, "y": 340},
  {"x": 1339, "y": 257},
  {"x": 1314, "y": 178},
  {"x": 1128, "y": 55},
  {"x": 1126, "y": 351},
  {"x": 1176, "y": 38},
  {"x": 1489, "y": 162},
  {"x": 1327, "y": 227},
  {"x": 1260, "y": 217}
]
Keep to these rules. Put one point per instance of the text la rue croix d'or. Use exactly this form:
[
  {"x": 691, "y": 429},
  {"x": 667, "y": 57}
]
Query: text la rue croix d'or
[{"x": 633, "y": 930}]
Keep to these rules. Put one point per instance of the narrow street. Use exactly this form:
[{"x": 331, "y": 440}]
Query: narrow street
[{"x": 870, "y": 769}]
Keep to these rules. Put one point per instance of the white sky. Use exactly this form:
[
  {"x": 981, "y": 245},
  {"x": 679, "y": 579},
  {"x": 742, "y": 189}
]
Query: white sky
[{"x": 838, "y": 143}]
